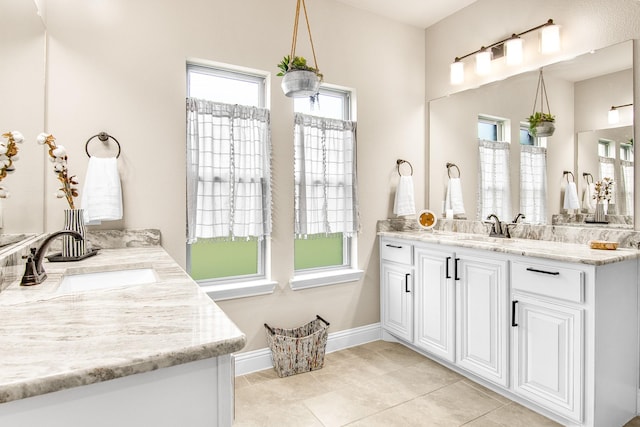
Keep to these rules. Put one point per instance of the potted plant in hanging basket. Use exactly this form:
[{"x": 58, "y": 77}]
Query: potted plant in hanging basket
[
  {"x": 298, "y": 78},
  {"x": 541, "y": 124}
]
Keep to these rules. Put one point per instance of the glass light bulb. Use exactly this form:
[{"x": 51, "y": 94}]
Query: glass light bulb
[
  {"x": 514, "y": 51},
  {"x": 457, "y": 73},
  {"x": 550, "y": 39}
]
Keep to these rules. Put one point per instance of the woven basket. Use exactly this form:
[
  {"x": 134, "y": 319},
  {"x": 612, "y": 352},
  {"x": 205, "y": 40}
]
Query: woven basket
[{"x": 298, "y": 350}]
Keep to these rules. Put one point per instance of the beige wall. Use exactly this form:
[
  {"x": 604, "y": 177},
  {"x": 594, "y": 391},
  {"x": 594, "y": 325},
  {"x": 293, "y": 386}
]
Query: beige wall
[{"x": 119, "y": 66}]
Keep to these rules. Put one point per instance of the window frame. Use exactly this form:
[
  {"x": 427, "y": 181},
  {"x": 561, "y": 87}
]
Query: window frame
[
  {"x": 348, "y": 270},
  {"x": 230, "y": 287}
]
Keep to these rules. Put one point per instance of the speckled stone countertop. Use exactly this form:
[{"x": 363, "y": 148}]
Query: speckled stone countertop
[
  {"x": 51, "y": 341},
  {"x": 568, "y": 252}
]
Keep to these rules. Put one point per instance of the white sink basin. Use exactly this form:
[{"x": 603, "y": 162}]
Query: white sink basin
[{"x": 106, "y": 279}]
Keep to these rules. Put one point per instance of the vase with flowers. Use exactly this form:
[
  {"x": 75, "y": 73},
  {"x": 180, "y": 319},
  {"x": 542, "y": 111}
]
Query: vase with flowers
[
  {"x": 8, "y": 155},
  {"x": 73, "y": 217},
  {"x": 602, "y": 195}
]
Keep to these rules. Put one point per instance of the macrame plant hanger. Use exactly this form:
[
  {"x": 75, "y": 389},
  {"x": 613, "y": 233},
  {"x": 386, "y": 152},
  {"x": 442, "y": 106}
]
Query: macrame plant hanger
[
  {"x": 543, "y": 127},
  {"x": 294, "y": 41},
  {"x": 542, "y": 91}
]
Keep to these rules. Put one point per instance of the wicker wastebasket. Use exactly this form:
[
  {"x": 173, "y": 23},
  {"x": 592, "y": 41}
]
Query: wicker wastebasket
[{"x": 300, "y": 349}]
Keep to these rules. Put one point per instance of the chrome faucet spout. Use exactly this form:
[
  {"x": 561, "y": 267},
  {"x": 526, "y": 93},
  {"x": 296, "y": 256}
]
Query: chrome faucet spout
[
  {"x": 34, "y": 273},
  {"x": 496, "y": 227}
]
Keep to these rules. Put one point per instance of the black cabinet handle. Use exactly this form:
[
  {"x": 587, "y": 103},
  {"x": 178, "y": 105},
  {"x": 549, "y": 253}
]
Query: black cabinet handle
[
  {"x": 535, "y": 270},
  {"x": 513, "y": 313},
  {"x": 406, "y": 282},
  {"x": 455, "y": 269},
  {"x": 447, "y": 274},
  {"x": 393, "y": 246}
]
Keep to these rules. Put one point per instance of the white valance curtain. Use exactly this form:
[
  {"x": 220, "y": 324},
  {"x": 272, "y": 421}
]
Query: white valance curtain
[
  {"x": 494, "y": 190},
  {"x": 325, "y": 176},
  {"x": 533, "y": 183},
  {"x": 626, "y": 186},
  {"x": 228, "y": 171}
]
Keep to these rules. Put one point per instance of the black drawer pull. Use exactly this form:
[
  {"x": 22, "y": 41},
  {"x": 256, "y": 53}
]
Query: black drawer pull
[
  {"x": 513, "y": 313},
  {"x": 406, "y": 282},
  {"x": 535, "y": 270},
  {"x": 447, "y": 274},
  {"x": 393, "y": 246},
  {"x": 455, "y": 269}
]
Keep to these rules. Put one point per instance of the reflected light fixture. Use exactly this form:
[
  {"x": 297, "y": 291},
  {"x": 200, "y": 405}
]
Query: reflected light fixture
[
  {"x": 614, "y": 114},
  {"x": 511, "y": 47}
]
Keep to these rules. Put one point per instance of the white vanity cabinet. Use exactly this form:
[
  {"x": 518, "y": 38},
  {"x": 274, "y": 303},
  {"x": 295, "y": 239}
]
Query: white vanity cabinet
[
  {"x": 557, "y": 335},
  {"x": 396, "y": 283}
]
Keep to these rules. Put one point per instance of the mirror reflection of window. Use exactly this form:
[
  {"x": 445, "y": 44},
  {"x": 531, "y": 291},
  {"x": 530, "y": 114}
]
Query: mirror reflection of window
[
  {"x": 604, "y": 148},
  {"x": 491, "y": 128}
]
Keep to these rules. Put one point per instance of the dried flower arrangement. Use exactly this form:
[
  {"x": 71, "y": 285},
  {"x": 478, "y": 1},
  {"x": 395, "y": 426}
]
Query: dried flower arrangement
[
  {"x": 59, "y": 158},
  {"x": 8, "y": 154},
  {"x": 603, "y": 190}
]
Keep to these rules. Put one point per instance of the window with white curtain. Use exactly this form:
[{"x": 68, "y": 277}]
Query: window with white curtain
[
  {"x": 228, "y": 175},
  {"x": 626, "y": 186},
  {"x": 607, "y": 170},
  {"x": 325, "y": 199},
  {"x": 533, "y": 184},
  {"x": 494, "y": 193}
]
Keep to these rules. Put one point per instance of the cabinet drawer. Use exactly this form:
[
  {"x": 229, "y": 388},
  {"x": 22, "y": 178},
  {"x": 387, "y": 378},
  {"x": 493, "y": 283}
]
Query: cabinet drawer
[
  {"x": 550, "y": 281},
  {"x": 396, "y": 251}
]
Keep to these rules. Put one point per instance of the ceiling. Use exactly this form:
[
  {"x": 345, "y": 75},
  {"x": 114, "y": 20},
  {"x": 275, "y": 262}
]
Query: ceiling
[{"x": 419, "y": 13}]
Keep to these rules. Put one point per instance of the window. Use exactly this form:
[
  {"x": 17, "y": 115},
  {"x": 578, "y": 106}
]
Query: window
[
  {"x": 229, "y": 170},
  {"x": 492, "y": 128},
  {"x": 604, "y": 148},
  {"x": 325, "y": 188},
  {"x": 533, "y": 184},
  {"x": 494, "y": 184},
  {"x": 527, "y": 139}
]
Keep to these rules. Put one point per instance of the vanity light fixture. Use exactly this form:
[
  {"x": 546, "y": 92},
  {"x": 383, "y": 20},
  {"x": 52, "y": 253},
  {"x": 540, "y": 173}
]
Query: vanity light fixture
[
  {"x": 614, "y": 114},
  {"x": 511, "y": 47}
]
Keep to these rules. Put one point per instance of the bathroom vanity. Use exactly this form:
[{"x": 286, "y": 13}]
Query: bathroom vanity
[
  {"x": 154, "y": 353},
  {"x": 551, "y": 325}
]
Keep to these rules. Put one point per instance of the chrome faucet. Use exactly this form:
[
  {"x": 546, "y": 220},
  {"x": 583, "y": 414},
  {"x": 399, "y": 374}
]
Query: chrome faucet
[
  {"x": 34, "y": 273},
  {"x": 496, "y": 226}
]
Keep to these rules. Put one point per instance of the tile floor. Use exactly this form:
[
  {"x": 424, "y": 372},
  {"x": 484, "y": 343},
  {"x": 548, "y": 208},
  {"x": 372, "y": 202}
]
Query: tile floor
[{"x": 375, "y": 384}]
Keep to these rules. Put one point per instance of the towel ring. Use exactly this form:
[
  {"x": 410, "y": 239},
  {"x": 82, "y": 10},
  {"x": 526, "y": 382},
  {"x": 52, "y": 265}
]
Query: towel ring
[
  {"x": 104, "y": 137},
  {"x": 586, "y": 176},
  {"x": 565, "y": 173},
  {"x": 452, "y": 165},
  {"x": 399, "y": 162}
]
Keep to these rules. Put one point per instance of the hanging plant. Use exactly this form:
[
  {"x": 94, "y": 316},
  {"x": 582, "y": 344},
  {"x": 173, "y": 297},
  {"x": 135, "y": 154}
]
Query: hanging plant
[
  {"x": 298, "y": 78},
  {"x": 541, "y": 123}
]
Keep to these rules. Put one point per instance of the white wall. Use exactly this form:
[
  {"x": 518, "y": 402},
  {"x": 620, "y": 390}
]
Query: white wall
[{"x": 119, "y": 66}]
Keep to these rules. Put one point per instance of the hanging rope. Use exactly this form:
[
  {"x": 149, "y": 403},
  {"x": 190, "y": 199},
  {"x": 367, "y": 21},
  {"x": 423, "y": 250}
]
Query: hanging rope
[
  {"x": 542, "y": 90},
  {"x": 295, "y": 34}
]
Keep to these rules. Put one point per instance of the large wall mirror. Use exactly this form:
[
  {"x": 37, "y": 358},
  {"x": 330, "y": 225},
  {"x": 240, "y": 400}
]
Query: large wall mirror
[
  {"x": 22, "y": 104},
  {"x": 581, "y": 91}
]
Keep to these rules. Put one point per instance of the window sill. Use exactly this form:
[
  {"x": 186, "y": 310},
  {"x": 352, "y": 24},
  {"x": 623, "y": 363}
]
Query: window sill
[
  {"x": 225, "y": 291},
  {"x": 325, "y": 278}
]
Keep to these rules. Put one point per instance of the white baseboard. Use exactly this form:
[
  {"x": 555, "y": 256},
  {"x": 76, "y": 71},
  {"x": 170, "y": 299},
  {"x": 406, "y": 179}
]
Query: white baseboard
[{"x": 257, "y": 360}]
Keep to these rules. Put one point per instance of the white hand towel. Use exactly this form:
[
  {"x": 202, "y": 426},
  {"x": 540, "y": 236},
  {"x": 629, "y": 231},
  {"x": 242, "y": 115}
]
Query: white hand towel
[
  {"x": 453, "y": 198},
  {"x": 404, "y": 203},
  {"x": 588, "y": 202},
  {"x": 571, "y": 196},
  {"x": 102, "y": 193}
]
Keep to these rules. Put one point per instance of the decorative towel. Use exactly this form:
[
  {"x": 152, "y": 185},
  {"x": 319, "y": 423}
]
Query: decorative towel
[
  {"x": 404, "y": 203},
  {"x": 102, "y": 193},
  {"x": 453, "y": 198},
  {"x": 571, "y": 196},
  {"x": 588, "y": 202}
]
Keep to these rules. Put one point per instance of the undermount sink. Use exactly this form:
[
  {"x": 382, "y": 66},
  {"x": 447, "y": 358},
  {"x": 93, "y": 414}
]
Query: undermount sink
[{"x": 76, "y": 282}]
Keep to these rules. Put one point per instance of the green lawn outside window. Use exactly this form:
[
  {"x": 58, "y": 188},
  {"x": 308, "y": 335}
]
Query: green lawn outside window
[
  {"x": 318, "y": 251},
  {"x": 213, "y": 259}
]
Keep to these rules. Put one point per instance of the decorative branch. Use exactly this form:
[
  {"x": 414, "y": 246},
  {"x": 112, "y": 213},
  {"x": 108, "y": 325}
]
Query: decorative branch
[
  {"x": 8, "y": 154},
  {"x": 58, "y": 156}
]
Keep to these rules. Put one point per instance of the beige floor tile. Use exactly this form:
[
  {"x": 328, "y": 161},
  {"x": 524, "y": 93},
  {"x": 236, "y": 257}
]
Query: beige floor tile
[
  {"x": 241, "y": 382},
  {"x": 633, "y": 423},
  {"x": 402, "y": 355},
  {"x": 512, "y": 415},
  {"x": 266, "y": 415},
  {"x": 491, "y": 393}
]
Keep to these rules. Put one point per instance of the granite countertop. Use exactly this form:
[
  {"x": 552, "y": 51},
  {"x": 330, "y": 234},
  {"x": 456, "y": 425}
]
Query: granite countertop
[
  {"x": 560, "y": 251},
  {"x": 51, "y": 341}
]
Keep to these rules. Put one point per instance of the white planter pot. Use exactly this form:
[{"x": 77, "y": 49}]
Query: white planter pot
[
  {"x": 544, "y": 129},
  {"x": 300, "y": 83}
]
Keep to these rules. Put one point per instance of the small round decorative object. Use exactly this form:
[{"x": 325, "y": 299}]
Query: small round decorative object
[{"x": 427, "y": 219}]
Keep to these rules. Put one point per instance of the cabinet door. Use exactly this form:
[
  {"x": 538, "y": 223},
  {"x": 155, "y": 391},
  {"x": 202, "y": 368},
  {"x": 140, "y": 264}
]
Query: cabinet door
[
  {"x": 548, "y": 354},
  {"x": 481, "y": 317},
  {"x": 435, "y": 303},
  {"x": 396, "y": 299}
]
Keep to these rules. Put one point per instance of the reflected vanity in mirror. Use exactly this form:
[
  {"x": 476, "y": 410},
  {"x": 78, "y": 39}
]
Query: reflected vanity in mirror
[
  {"x": 581, "y": 91},
  {"x": 22, "y": 91}
]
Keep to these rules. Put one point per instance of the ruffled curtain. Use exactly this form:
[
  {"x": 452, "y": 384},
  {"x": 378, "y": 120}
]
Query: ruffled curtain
[
  {"x": 626, "y": 186},
  {"x": 533, "y": 183},
  {"x": 494, "y": 191},
  {"x": 228, "y": 171},
  {"x": 325, "y": 176}
]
